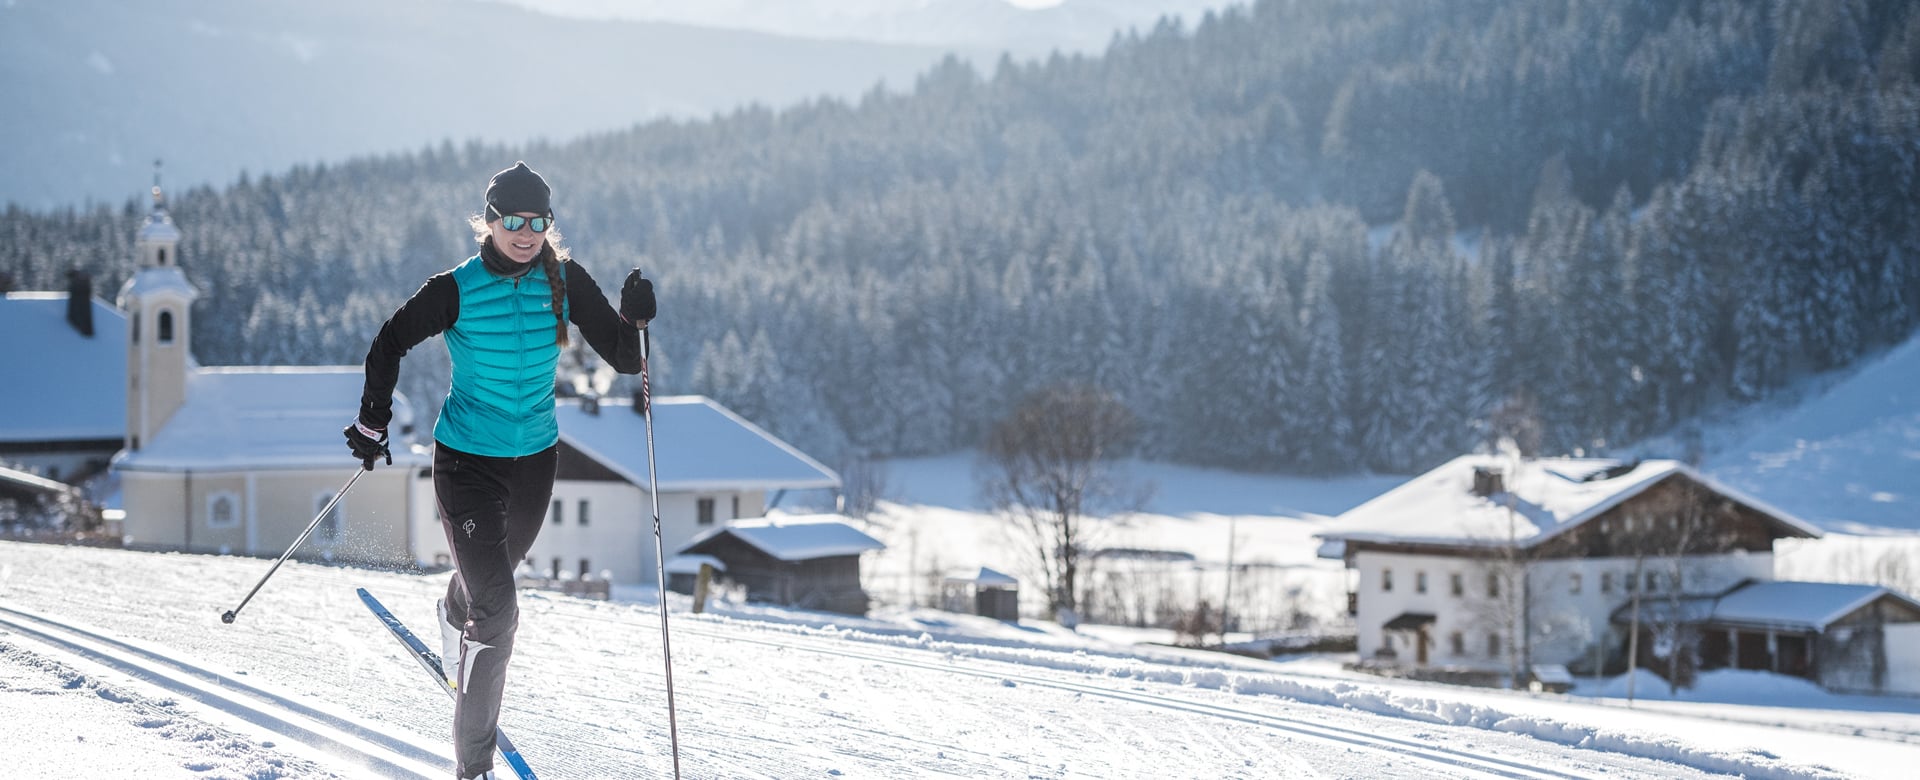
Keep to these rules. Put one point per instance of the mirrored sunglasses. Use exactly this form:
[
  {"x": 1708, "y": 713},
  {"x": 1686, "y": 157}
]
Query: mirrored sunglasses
[{"x": 514, "y": 222}]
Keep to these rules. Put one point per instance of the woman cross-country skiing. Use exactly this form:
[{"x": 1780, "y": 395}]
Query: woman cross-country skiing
[{"x": 504, "y": 313}]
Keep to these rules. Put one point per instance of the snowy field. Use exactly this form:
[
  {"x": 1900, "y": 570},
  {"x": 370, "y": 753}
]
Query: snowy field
[
  {"x": 115, "y": 664},
  {"x": 934, "y": 525}
]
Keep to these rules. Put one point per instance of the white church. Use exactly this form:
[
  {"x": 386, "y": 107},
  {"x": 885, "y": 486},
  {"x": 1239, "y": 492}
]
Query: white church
[{"x": 240, "y": 460}]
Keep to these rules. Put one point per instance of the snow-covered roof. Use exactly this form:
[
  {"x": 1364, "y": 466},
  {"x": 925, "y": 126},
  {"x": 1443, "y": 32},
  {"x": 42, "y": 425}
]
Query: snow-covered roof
[
  {"x": 701, "y": 445},
  {"x": 61, "y": 385},
  {"x": 256, "y": 418},
  {"x": 159, "y": 227},
  {"x": 797, "y": 537},
  {"x": 149, "y": 281},
  {"x": 992, "y": 578},
  {"x": 986, "y": 578},
  {"x": 1807, "y": 605},
  {"x": 1791, "y": 606},
  {"x": 1543, "y": 498},
  {"x": 690, "y": 564}
]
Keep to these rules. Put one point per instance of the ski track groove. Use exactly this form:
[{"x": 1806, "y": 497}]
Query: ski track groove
[
  {"x": 1475, "y": 764},
  {"x": 360, "y": 746}
]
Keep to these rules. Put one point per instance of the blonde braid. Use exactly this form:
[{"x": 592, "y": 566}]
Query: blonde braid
[{"x": 551, "y": 263}]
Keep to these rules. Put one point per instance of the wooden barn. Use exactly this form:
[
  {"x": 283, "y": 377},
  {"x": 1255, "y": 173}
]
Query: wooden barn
[
  {"x": 811, "y": 562},
  {"x": 1856, "y": 638}
]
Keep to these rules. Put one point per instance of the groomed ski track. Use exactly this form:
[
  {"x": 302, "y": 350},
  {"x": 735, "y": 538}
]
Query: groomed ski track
[{"x": 336, "y": 739}]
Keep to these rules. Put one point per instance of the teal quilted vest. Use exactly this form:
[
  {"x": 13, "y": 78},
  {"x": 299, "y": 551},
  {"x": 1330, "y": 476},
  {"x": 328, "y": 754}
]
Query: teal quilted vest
[{"x": 501, "y": 401}]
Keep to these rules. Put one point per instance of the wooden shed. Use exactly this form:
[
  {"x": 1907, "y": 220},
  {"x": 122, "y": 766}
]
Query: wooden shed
[
  {"x": 987, "y": 593},
  {"x": 1858, "y": 638},
  {"x": 811, "y": 562}
]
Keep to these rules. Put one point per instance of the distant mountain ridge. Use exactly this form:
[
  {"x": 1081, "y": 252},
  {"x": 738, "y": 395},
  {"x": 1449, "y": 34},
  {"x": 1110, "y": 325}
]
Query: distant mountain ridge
[
  {"x": 1023, "y": 27},
  {"x": 97, "y": 90}
]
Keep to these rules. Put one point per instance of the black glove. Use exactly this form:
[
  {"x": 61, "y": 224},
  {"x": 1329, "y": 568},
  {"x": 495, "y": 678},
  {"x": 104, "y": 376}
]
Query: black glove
[
  {"x": 368, "y": 444},
  {"x": 636, "y": 299}
]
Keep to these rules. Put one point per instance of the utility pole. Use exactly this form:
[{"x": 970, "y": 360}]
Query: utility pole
[{"x": 1227, "y": 597}]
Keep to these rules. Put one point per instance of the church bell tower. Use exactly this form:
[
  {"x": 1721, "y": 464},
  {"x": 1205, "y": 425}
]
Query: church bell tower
[{"x": 158, "y": 301}]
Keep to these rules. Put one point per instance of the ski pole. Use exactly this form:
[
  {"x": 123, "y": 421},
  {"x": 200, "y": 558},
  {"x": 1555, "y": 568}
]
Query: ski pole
[
  {"x": 659, "y": 546},
  {"x": 230, "y": 614}
]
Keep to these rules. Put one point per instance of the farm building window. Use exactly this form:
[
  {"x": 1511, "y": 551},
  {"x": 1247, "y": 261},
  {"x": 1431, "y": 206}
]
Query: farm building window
[
  {"x": 223, "y": 510},
  {"x": 703, "y": 510}
]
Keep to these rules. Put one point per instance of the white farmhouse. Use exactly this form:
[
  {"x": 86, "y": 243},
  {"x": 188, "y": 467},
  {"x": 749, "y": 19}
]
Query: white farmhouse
[
  {"x": 1491, "y": 565},
  {"x": 714, "y": 467}
]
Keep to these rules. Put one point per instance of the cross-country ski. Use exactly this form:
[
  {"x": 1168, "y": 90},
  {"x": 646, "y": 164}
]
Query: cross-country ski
[{"x": 431, "y": 662}]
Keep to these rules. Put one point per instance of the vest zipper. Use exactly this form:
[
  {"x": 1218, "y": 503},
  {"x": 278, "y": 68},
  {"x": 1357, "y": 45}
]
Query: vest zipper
[{"x": 520, "y": 341}]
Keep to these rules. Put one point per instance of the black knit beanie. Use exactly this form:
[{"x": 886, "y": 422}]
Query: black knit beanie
[{"x": 518, "y": 189}]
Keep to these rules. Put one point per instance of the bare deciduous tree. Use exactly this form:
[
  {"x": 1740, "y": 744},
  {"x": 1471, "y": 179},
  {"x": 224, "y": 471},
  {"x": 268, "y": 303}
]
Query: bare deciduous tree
[
  {"x": 863, "y": 483},
  {"x": 1048, "y": 467},
  {"x": 1667, "y": 529}
]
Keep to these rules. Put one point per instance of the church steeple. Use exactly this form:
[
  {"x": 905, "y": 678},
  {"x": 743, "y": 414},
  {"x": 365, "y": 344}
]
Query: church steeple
[
  {"x": 158, "y": 301},
  {"x": 158, "y": 243}
]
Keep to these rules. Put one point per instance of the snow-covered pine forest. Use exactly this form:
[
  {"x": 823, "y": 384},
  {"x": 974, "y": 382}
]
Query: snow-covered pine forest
[{"x": 1308, "y": 235}]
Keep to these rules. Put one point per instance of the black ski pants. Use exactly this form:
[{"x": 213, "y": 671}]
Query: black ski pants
[{"x": 491, "y": 509}]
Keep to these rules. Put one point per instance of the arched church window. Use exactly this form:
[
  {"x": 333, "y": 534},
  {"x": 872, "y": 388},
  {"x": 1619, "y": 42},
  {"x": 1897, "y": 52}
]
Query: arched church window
[
  {"x": 166, "y": 327},
  {"x": 223, "y": 510}
]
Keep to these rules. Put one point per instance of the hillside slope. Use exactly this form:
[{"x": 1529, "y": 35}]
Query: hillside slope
[{"x": 1847, "y": 457}]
